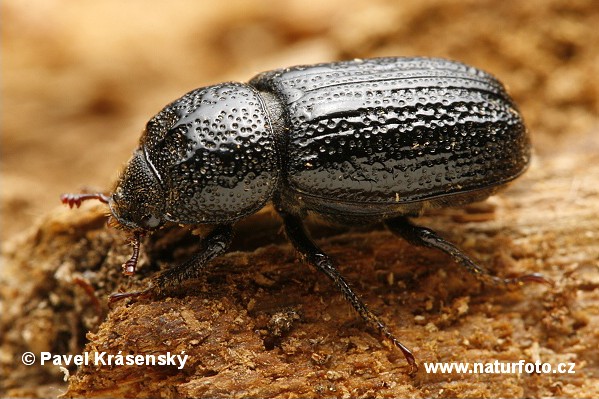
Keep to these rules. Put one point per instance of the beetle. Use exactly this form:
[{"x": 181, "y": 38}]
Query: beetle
[{"x": 352, "y": 142}]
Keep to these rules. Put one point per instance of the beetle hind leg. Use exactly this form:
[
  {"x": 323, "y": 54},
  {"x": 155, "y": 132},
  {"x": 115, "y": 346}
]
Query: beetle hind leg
[
  {"x": 425, "y": 237},
  {"x": 311, "y": 253}
]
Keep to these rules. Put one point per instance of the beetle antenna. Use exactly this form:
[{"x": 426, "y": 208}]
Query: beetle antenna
[
  {"x": 130, "y": 266},
  {"x": 76, "y": 199}
]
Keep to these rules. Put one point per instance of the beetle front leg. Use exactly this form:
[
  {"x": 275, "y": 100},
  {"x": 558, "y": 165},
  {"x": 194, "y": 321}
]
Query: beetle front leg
[
  {"x": 311, "y": 253},
  {"x": 216, "y": 243},
  {"x": 424, "y": 237}
]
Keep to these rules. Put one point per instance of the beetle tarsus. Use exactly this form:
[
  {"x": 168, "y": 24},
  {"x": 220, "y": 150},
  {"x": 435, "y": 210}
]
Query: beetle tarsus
[
  {"x": 425, "y": 237},
  {"x": 119, "y": 296},
  {"x": 310, "y": 252},
  {"x": 536, "y": 278}
]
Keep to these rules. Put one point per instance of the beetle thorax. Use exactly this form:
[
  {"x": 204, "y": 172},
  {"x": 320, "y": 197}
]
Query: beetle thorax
[{"x": 215, "y": 153}]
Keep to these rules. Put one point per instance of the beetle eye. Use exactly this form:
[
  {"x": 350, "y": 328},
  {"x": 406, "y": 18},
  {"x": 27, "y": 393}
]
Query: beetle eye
[
  {"x": 150, "y": 221},
  {"x": 117, "y": 194}
]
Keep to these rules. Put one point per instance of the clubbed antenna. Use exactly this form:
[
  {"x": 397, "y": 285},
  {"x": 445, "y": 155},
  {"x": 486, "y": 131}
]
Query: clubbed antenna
[
  {"x": 130, "y": 266},
  {"x": 76, "y": 199}
]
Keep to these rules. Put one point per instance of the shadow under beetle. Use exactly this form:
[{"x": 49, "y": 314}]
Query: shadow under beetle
[{"x": 353, "y": 142}]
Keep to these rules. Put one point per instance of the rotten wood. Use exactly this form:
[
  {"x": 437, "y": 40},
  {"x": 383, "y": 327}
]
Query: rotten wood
[{"x": 263, "y": 324}]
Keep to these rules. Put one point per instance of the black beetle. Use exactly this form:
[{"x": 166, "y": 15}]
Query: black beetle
[{"x": 353, "y": 142}]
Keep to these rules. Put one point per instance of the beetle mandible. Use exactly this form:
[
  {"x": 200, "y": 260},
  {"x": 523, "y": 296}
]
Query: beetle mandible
[{"x": 352, "y": 142}]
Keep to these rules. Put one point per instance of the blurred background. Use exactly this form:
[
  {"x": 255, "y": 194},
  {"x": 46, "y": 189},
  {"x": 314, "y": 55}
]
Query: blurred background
[{"x": 80, "y": 79}]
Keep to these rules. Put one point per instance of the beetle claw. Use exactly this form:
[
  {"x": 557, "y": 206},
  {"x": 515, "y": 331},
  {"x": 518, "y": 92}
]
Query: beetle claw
[
  {"x": 521, "y": 280},
  {"x": 534, "y": 278}
]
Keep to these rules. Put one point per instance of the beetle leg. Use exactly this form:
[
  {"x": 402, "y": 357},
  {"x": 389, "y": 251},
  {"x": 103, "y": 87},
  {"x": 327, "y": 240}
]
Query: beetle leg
[
  {"x": 311, "y": 253},
  {"x": 216, "y": 243},
  {"x": 130, "y": 266},
  {"x": 422, "y": 236}
]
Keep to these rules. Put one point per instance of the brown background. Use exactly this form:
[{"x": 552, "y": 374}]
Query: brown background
[{"x": 80, "y": 79}]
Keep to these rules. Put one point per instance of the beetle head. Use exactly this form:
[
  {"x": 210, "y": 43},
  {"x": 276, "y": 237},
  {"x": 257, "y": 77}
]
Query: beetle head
[{"x": 138, "y": 200}]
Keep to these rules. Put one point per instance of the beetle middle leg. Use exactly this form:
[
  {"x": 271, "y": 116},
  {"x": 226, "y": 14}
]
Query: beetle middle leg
[
  {"x": 311, "y": 253},
  {"x": 425, "y": 237},
  {"x": 215, "y": 244}
]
